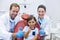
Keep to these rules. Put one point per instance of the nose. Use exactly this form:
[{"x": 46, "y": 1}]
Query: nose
[
  {"x": 31, "y": 24},
  {"x": 40, "y": 13},
  {"x": 15, "y": 13}
]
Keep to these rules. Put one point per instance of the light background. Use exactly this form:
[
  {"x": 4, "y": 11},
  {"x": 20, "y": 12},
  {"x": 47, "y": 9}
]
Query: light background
[{"x": 53, "y": 7}]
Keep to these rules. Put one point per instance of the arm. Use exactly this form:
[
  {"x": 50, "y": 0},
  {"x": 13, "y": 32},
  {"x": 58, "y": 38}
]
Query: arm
[
  {"x": 26, "y": 33},
  {"x": 35, "y": 37},
  {"x": 48, "y": 29},
  {"x": 13, "y": 35},
  {"x": 4, "y": 31},
  {"x": 6, "y": 34},
  {"x": 18, "y": 34},
  {"x": 36, "y": 34}
]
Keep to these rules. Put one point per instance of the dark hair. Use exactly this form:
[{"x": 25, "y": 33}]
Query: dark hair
[
  {"x": 41, "y": 6},
  {"x": 15, "y": 5},
  {"x": 30, "y": 18}
]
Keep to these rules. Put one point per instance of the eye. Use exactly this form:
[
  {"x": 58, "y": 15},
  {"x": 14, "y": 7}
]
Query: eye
[
  {"x": 16, "y": 11},
  {"x": 42, "y": 11},
  {"x": 29, "y": 22},
  {"x": 39, "y": 11},
  {"x": 13, "y": 11},
  {"x": 33, "y": 22}
]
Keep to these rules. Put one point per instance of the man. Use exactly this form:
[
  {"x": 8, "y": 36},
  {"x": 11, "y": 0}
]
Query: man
[
  {"x": 7, "y": 23},
  {"x": 44, "y": 20}
]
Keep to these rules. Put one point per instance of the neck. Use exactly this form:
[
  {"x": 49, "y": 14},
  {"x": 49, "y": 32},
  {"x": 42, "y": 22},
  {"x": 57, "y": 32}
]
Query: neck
[
  {"x": 41, "y": 18},
  {"x": 12, "y": 18},
  {"x": 32, "y": 28}
]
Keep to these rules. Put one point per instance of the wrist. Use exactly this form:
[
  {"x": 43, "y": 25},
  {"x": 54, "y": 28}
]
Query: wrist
[{"x": 13, "y": 34}]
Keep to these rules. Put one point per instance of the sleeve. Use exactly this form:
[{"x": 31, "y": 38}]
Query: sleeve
[
  {"x": 25, "y": 29},
  {"x": 37, "y": 31},
  {"x": 3, "y": 32},
  {"x": 47, "y": 29}
]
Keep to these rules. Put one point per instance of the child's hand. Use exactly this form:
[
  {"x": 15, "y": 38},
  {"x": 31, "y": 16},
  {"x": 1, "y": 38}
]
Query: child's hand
[
  {"x": 33, "y": 39},
  {"x": 29, "y": 29}
]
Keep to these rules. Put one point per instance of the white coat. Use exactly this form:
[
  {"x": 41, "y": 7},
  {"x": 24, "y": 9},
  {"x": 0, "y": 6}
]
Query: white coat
[
  {"x": 5, "y": 26},
  {"x": 46, "y": 25}
]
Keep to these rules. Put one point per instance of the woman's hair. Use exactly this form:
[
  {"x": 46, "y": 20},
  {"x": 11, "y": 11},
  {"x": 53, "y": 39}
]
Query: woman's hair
[
  {"x": 30, "y": 18},
  {"x": 41, "y": 6}
]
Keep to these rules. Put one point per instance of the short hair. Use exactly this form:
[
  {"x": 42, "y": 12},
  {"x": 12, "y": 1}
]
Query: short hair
[
  {"x": 15, "y": 5},
  {"x": 30, "y": 18},
  {"x": 41, "y": 6}
]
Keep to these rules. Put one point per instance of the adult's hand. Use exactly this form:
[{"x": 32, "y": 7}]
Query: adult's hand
[{"x": 19, "y": 34}]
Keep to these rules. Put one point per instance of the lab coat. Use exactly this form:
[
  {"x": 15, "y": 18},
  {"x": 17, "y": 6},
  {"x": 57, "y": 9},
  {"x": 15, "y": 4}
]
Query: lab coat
[
  {"x": 46, "y": 26},
  {"x": 5, "y": 26}
]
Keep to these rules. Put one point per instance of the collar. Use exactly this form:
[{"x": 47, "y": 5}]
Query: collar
[
  {"x": 40, "y": 20},
  {"x": 11, "y": 19},
  {"x": 33, "y": 28}
]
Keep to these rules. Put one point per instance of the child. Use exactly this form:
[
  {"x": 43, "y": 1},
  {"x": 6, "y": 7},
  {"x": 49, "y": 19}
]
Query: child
[{"x": 30, "y": 31}]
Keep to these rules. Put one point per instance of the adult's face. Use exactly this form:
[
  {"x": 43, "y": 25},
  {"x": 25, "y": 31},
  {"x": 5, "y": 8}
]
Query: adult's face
[
  {"x": 14, "y": 12},
  {"x": 41, "y": 12}
]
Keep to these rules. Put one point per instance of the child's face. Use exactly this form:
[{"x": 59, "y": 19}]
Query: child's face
[{"x": 31, "y": 23}]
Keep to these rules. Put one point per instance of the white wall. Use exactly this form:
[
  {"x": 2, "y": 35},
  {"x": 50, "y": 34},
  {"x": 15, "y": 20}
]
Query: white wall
[{"x": 53, "y": 7}]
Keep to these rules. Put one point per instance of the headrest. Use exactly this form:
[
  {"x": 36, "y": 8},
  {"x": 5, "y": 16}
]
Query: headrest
[{"x": 25, "y": 16}]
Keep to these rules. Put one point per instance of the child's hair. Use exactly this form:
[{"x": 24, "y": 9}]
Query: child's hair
[{"x": 30, "y": 18}]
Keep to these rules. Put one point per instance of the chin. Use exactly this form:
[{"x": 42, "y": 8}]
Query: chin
[{"x": 13, "y": 18}]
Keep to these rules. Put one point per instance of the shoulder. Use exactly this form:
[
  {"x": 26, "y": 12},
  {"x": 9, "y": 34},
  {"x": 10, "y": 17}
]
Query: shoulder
[
  {"x": 47, "y": 18},
  {"x": 36, "y": 29},
  {"x": 4, "y": 16},
  {"x": 26, "y": 27},
  {"x": 17, "y": 19}
]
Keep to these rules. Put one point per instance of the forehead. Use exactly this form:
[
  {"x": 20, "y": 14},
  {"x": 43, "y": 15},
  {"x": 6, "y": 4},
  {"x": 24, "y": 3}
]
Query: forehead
[
  {"x": 41, "y": 9},
  {"x": 15, "y": 8},
  {"x": 32, "y": 20}
]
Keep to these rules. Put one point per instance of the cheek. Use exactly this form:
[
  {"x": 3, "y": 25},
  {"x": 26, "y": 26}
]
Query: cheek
[
  {"x": 34, "y": 23},
  {"x": 14, "y": 14},
  {"x": 41, "y": 14},
  {"x": 11, "y": 13},
  {"x": 28, "y": 23}
]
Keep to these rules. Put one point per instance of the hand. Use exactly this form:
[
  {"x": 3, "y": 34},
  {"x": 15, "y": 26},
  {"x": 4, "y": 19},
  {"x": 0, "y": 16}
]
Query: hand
[
  {"x": 33, "y": 39},
  {"x": 29, "y": 29},
  {"x": 19, "y": 34},
  {"x": 42, "y": 33}
]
